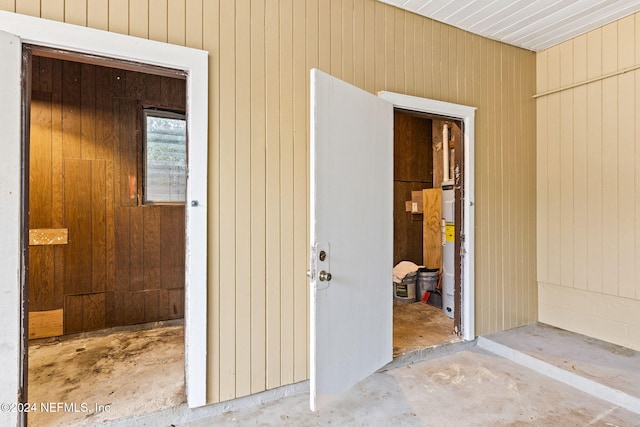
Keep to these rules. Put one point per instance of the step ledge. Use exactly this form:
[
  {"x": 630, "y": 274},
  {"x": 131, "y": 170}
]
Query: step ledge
[{"x": 576, "y": 381}]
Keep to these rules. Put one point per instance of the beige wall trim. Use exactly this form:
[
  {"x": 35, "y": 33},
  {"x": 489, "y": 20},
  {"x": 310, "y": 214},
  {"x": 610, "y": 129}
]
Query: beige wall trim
[
  {"x": 48, "y": 236},
  {"x": 607, "y": 317},
  {"x": 586, "y": 82}
]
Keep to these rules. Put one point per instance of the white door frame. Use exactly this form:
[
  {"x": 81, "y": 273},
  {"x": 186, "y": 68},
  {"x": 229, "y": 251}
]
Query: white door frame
[
  {"x": 41, "y": 32},
  {"x": 467, "y": 115}
]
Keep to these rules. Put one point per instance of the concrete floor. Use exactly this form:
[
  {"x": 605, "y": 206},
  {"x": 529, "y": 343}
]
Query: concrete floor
[
  {"x": 419, "y": 325},
  {"x": 473, "y": 386},
  {"x": 469, "y": 388},
  {"x": 96, "y": 368},
  {"x": 128, "y": 372}
]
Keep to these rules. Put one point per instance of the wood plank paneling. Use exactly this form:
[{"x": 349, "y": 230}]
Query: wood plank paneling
[
  {"x": 122, "y": 224},
  {"x": 580, "y": 180},
  {"x": 137, "y": 249},
  {"x": 609, "y": 154},
  {"x": 98, "y": 14},
  {"x": 77, "y": 218},
  {"x": 119, "y": 16},
  {"x": 438, "y": 70},
  {"x": 88, "y": 111},
  {"x": 412, "y": 148},
  {"x": 151, "y": 238},
  {"x": 228, "y": 200},
  {"x": 152, "y": 305},
  {"x": 258, "y": 202},
  {"x": 176, "y": 22},
  {"x": 566, "y": 171},
  {"x": 407, "y": 227},
  {"x": 243, "y": 197},
  {"x": 28, "y": 7},
  {"x": 158, "y": 20},
  {"x": 598, "y": 239},
  {"x": 71, "y": 119},
  {"x": 73, "y": 314},
  {"x": 272, "y": 192},
  {"x": 211, "y": 42},
  {"x": 133, "y": 307},
  {"x": 36, "y": 274},
  {"x": 75, "y": 12},
  {"x": 176, "y": 303},
  {"x": 413, "y": 171},
  {"x": 109, "y": 309},
  {"x": 57, "y": 210},
  {"x": 81, "y": 146},
  {"x": 40, "y": 163},
  {"x": 286, "y": 191},
  {"x": 193, "y": 19},
  {"x": 126, "y": 185},
  {"x": 626, "y": 184},
  {"x": 8, "y": 5},
  {"x": 172, "y": 241},
  {"x": 98, "y": 226},
  {"x": 300, "y": 185},
  {"x": 93, "y": 312},
  {"x": 139, "y": 18}
]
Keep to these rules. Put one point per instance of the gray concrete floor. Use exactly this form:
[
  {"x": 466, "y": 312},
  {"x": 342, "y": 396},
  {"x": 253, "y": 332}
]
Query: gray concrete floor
[
  {"x": 591, "y": 359},
  {"x": 469, "y": 388},
  {"x": 460, "y": 385}
]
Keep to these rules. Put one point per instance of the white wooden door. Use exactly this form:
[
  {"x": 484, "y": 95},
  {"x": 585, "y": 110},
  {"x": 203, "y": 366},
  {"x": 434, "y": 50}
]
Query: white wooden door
[{"x": 351, "y": 235}]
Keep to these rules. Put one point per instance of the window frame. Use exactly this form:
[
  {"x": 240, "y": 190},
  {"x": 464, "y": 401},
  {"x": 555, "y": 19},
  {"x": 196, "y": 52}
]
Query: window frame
[{"x": 156, "y": 111}]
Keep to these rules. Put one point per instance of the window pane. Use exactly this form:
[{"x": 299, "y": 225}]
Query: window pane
[{"x": 166, "y": 159}]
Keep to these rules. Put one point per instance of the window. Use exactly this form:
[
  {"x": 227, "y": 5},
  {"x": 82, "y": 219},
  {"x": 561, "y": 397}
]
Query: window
[{"x": 165, "y": 156}]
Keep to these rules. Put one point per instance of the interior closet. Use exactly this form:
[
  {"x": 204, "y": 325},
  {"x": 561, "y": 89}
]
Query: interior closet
[{"x": 420, "y": 232}]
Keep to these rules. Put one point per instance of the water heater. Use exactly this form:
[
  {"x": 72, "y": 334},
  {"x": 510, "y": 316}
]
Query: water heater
[{"x": 448, "y": 247}]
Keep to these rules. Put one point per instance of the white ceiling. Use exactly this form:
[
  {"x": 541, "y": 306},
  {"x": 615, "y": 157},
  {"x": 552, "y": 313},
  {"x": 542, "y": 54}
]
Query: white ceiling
[{"x": 531, "y": 24}]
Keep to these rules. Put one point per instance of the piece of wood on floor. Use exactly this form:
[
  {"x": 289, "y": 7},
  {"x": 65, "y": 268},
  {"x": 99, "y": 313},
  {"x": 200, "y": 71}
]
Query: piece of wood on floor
[{"x": 44, "y": 324}]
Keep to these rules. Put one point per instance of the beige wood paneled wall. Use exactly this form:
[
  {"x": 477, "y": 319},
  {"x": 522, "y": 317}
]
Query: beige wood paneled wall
[
  {"x": 261, "y": 52},
  {"x": 588, "y": 181}
]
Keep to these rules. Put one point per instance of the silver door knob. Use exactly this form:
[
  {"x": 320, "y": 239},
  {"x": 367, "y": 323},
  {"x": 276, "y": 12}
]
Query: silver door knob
[{"x": 324, "y": 276}]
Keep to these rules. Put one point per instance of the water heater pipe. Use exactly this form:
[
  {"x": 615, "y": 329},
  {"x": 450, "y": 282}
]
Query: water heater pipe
[{"x": 445, "y": 153}]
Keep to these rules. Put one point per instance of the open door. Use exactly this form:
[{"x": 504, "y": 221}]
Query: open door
[{"x": 351, "y": 235}]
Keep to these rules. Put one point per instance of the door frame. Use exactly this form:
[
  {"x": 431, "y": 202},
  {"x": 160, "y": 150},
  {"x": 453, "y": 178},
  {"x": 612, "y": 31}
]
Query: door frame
[
  {"x": 467, "y": 115},
  {"x": 50, "y": 34}
]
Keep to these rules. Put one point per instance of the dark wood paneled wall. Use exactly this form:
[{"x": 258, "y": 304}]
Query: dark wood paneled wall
[
  {"x": 124, "y": 262},
  {"x": 413, "y": 170}
]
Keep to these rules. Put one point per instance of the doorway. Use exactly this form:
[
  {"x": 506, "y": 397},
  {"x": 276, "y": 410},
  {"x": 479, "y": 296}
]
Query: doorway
[
  {"x": 106, "y": 257},
  {"x": 426, "y": 222},
  {"x": 464, "y": 194},
  {"x": 351, "y": 170},
  {"x": 15, "y": 30}
]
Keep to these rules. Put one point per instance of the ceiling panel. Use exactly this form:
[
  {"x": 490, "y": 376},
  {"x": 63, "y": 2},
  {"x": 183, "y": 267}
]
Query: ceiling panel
[{"x": 531, "y": 24}]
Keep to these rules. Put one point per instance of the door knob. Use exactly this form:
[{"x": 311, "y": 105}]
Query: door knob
[{"x": 324, "y": 276}]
